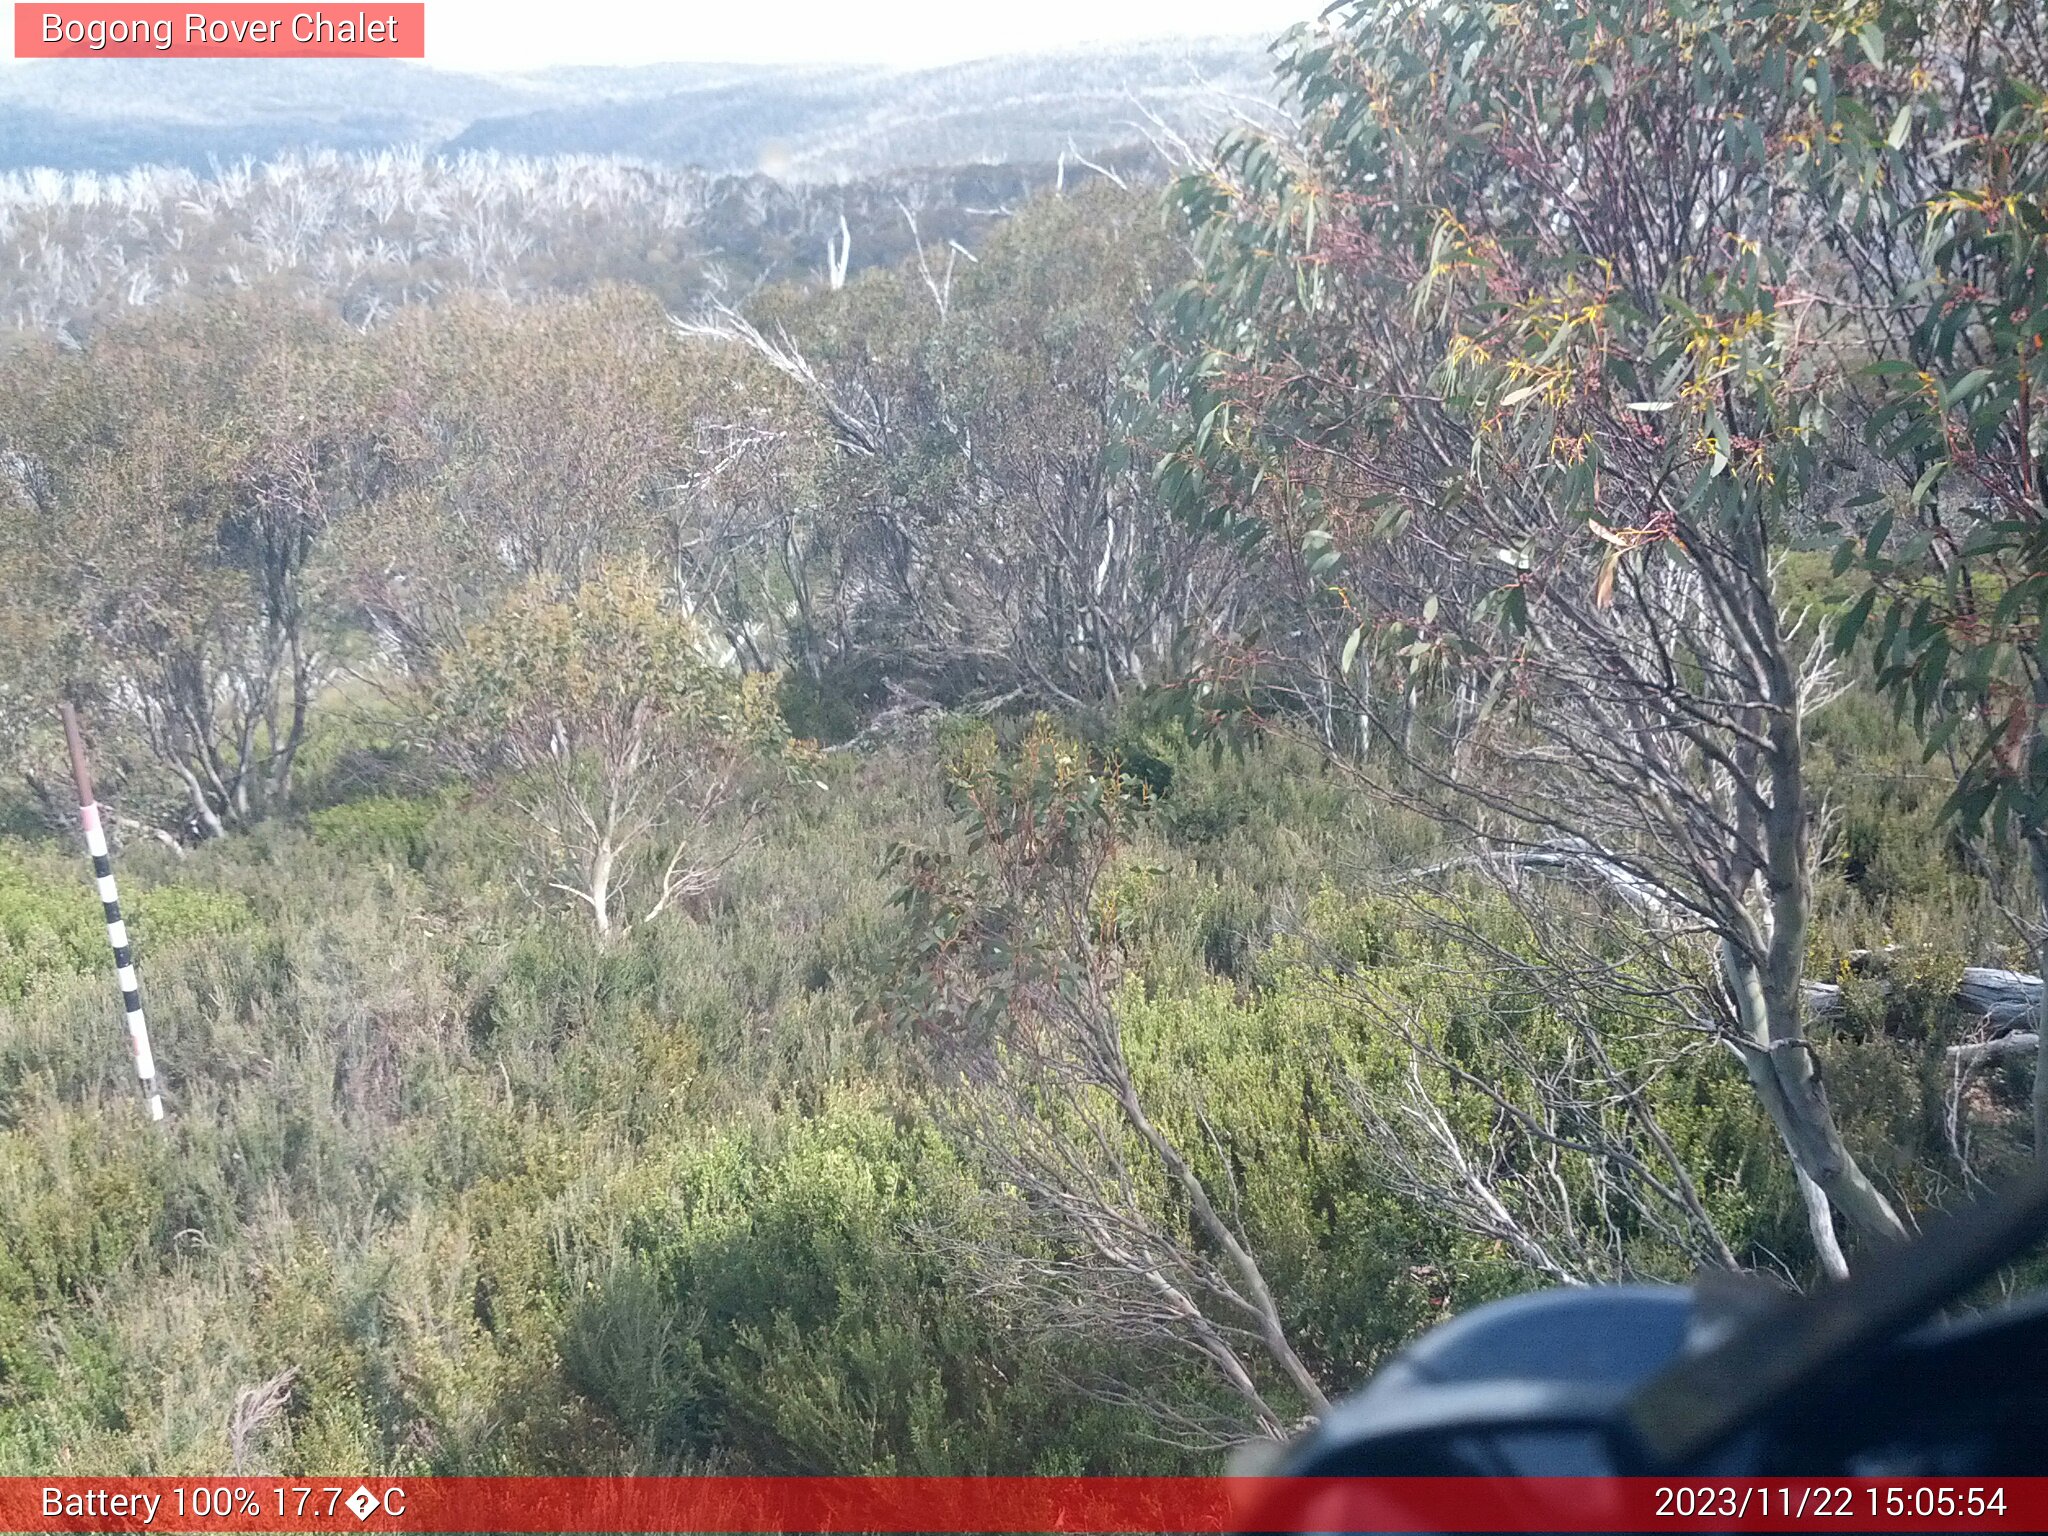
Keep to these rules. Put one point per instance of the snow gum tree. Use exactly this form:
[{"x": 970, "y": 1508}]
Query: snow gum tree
[
  {"x": 621, "y": 729},
  {"x": 1514, "y": 373}
]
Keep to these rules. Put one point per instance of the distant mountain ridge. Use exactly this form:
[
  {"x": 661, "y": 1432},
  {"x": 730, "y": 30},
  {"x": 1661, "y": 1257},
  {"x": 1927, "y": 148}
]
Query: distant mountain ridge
[{"x": 797, "y": 123}]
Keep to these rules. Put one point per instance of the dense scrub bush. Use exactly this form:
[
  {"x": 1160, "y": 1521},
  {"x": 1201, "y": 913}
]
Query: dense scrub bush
[
  {"x": 44, "y": 928},
  {"x": 379, "y": 827},
  {"x": 513, "y": 1198}
]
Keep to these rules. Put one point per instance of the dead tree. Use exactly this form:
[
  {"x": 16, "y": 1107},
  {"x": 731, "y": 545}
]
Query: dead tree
[{"x": 1012, "y": 994}]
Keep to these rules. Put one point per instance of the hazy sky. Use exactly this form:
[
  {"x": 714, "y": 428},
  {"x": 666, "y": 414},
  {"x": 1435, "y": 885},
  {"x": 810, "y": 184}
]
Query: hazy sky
[{"x": 527, "y": 34}]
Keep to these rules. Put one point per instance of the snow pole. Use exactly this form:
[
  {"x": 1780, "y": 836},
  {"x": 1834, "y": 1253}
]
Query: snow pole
[{"x": 110, "y": 903}]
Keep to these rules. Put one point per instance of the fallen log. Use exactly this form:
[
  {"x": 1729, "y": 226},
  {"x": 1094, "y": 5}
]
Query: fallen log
[
  {"x": 2020, "y": 1043},
  {"x": 1563, "y": 856},
  {"x": 2008, "y": 1001},
  {"x": 2005, "y": 1000},
  {"x": 2008, "y": 998}
]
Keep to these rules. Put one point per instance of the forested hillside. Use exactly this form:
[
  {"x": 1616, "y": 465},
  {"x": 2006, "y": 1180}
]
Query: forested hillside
[
  {"x": 366, "y": 234},
  {"x": 1026, "y": 848},
  {"x": 815, "y": 124}
]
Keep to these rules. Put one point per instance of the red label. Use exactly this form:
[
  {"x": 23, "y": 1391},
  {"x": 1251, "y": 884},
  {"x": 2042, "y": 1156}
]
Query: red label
[
  {"x": 389, "y": 1506},
  {"x": 381, "y": 31}
]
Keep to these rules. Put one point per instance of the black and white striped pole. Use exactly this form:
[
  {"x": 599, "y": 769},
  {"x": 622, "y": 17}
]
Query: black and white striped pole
[{"x": 110, "y": 902}]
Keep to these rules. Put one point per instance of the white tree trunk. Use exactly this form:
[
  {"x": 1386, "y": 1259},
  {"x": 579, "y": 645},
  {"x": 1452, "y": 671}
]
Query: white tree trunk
[{"x": 599, "y": 888}]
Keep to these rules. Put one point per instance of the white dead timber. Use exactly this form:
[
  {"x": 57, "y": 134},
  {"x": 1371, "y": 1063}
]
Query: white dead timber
[
  {"x": 2006, "y": 1001},
  {"x": 2003, "y": 999}
]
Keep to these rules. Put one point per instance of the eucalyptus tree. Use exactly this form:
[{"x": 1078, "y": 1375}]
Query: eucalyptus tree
[
  {"x": 992, "y": 539},
  {"x": 1511, "y": 373},
  {"x": 1941, "y": 187},
  {"x": 528, "y": 440},
  {"x": 30, "y": 658},
  {"x": 170, "y": 492},
  {"x": 619, "y": 728}
]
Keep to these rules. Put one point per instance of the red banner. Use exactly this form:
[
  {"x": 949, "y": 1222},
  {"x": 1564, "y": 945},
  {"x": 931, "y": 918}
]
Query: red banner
[
  {"x": 231, "y": 31},
  {"x": 1068, "y": 1504}
]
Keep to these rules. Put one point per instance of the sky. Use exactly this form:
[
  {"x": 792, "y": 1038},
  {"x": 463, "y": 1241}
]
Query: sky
[{"x": 530, "y": 34}]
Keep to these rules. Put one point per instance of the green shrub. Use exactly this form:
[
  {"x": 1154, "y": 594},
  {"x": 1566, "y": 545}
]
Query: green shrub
[
  {"x": 46, "y": 926},
  {"x": 515, "y": 1200},
  {"x": 381, "y": 827},
  {"x": 82, "y": 1201},
  {"x": 177, "y": 914},
  {"x": 51, "y": 925}
]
